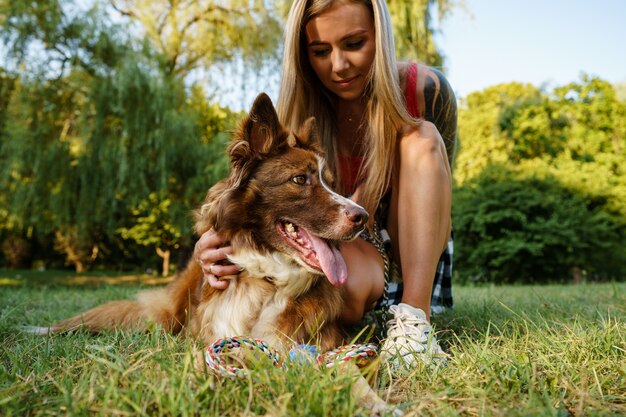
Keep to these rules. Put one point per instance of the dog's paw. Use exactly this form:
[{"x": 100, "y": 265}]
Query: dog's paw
[{"x": 384, "y": 410}]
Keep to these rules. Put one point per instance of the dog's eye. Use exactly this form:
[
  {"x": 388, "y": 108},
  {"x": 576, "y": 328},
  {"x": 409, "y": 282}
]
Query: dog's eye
[{"x": 299, "y": 179}]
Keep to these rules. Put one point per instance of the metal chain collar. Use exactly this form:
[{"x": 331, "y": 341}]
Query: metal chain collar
[{"x": 377, "y": 241}]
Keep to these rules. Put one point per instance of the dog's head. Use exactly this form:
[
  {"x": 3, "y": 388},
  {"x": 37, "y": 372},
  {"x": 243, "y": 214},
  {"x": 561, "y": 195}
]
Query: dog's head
[{"x": 278, "y": 197}]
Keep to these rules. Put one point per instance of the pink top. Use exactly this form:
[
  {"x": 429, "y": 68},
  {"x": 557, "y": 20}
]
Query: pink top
[
  {"x": 409, "y": 91},
  {"x": 349, "y": 167}
]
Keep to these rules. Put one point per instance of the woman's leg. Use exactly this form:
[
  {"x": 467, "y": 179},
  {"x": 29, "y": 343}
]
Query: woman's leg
[
  {"x": 419, "y": 227},
  {"x": 365, "y": 279},
  {"x": 419, "y": 211}
]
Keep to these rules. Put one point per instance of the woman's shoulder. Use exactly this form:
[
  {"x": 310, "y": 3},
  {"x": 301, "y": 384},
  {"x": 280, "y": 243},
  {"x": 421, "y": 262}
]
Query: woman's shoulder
[
  {"x": 435, "y": 100},
  {"x": 403, "y": 67},
  {"x": 435, "y": 83},
  {"x": 428, "y": 78},
  {"x": 432, "y": 88}
]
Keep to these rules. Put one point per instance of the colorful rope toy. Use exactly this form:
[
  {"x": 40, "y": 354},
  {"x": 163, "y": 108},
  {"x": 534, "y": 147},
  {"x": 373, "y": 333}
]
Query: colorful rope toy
[
  {"x": 346, "y": 353},
  {"x": 219, "y": 366},
  {"x": 329, "y": 359}
]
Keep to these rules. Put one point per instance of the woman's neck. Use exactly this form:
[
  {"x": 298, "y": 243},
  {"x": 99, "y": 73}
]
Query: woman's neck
[{"x": 351, "y": 126}]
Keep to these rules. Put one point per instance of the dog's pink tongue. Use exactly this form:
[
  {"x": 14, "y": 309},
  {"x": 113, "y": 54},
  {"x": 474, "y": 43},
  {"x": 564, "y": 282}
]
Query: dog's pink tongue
[{"x": 331, "y": 261}]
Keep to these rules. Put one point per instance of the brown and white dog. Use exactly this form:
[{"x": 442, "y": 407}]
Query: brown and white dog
[{"x": 284, "y": 223}]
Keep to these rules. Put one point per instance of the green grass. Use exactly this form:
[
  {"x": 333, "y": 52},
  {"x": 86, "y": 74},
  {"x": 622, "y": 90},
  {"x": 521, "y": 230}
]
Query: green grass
[{"x": 514, "y": 350}]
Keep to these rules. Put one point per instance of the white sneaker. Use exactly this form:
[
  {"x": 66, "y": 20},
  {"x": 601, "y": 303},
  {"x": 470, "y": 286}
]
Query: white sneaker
[{"x": 409, "y": 339}]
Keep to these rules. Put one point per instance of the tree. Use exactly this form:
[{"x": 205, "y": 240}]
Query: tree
[
  {"x": 481, "y": 142},
  {"x": 84, "y": 145},
  {"x": 541, "y": 182},
  {"x": 154, "y": 225},
  {"x": 527, "y": 227},
  {"x": 189, "y": 34},
  {"x": 50, "y": 38},
  {"x": 413, "y": 28}
]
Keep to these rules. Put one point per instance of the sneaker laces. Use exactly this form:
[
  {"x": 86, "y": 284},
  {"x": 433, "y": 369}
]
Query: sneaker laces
[
  {"x": 408, "y": 325},
  {"x": 410, "y": 339}
]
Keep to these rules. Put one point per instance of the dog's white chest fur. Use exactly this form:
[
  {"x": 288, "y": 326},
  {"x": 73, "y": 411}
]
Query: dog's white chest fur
[{"x": 253, "y": 300}]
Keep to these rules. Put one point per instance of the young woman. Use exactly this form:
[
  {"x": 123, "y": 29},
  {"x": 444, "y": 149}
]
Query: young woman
[{"x": 389, "y": 131}]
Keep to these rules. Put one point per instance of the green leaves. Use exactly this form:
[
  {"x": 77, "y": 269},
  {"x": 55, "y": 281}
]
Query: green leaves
[
  {"x": 84, "y": 147},
  {"x": 413, "y": 28},
  {"x": 540, "y": 183},
  {"x": 188, "y": 35}
]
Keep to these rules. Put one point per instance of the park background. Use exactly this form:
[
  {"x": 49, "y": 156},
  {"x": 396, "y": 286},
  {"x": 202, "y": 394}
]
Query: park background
[{"x": 114, "y": 117}]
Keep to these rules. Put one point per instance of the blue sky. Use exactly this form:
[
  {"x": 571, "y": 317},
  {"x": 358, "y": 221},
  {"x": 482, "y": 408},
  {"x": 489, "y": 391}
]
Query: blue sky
[{"x": 543, "y": 42}]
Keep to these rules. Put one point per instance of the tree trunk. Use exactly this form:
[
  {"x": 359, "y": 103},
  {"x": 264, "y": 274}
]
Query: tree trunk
[
  {"x": 577, "y": 274},
  {"x": 68, "y": 243},
  {"x": 165, "y": 254}
]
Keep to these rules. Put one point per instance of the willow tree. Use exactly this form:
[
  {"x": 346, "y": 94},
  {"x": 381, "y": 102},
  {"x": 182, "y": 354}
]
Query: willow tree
[
  {"x": 94, "y": 124},
  {"x": 414, "y": 30},
  {"x": 145, "y": 138},
  {"x": 192, "y": 34},
  {"x": 38, "y": 167}
]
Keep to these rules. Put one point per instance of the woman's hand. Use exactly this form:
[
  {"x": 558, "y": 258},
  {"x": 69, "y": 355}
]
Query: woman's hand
[{"x": 211, "y": 253}]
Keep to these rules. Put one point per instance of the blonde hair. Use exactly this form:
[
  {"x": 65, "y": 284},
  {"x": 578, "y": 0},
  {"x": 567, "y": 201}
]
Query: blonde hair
[{"x": 302, "y": 95}]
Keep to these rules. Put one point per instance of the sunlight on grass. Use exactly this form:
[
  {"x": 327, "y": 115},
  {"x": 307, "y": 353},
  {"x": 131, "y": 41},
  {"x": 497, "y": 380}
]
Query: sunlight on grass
[
  {"x": 61, "y": 277},
  {"x": 514, "y": 350}
]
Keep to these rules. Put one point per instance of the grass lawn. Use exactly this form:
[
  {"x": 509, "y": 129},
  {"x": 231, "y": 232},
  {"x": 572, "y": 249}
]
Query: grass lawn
[{"x": 514, "y": 350}]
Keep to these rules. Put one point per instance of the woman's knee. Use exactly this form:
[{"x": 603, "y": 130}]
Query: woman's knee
[
  {"x": 422, "y": 163},
  {"x": 422, "y": 144},
  {"x": 365, "y": 279}
]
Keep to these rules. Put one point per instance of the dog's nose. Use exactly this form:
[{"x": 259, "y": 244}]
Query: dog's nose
[{"x": 357, "y": 215}]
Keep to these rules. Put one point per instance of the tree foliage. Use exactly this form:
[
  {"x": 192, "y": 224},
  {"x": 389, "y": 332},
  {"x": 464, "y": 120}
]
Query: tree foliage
[
  {"x": 86, "y": 145},
  {"x": 188, "y": 34},
  {"x": 524, "y": 227},
  {"x": 153, "y": 227},
  {"x": 414, "y": 30},
  {"x": 541, "y": 183},
  {"x": 51, "y": 37}
]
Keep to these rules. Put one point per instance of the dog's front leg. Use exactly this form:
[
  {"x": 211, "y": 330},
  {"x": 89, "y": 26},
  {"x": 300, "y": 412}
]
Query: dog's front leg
[{"x": 365, "y": 395}]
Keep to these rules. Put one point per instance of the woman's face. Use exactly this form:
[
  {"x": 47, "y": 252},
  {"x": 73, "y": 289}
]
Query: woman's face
[{"x": 341, "y": 47}]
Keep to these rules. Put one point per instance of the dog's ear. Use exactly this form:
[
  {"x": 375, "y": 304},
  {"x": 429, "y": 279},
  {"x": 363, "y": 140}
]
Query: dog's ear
[
  {"x": 260, "y": 133},
  {"x": 262, "y": 129},
  {"x": 307, "y": 134}
]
